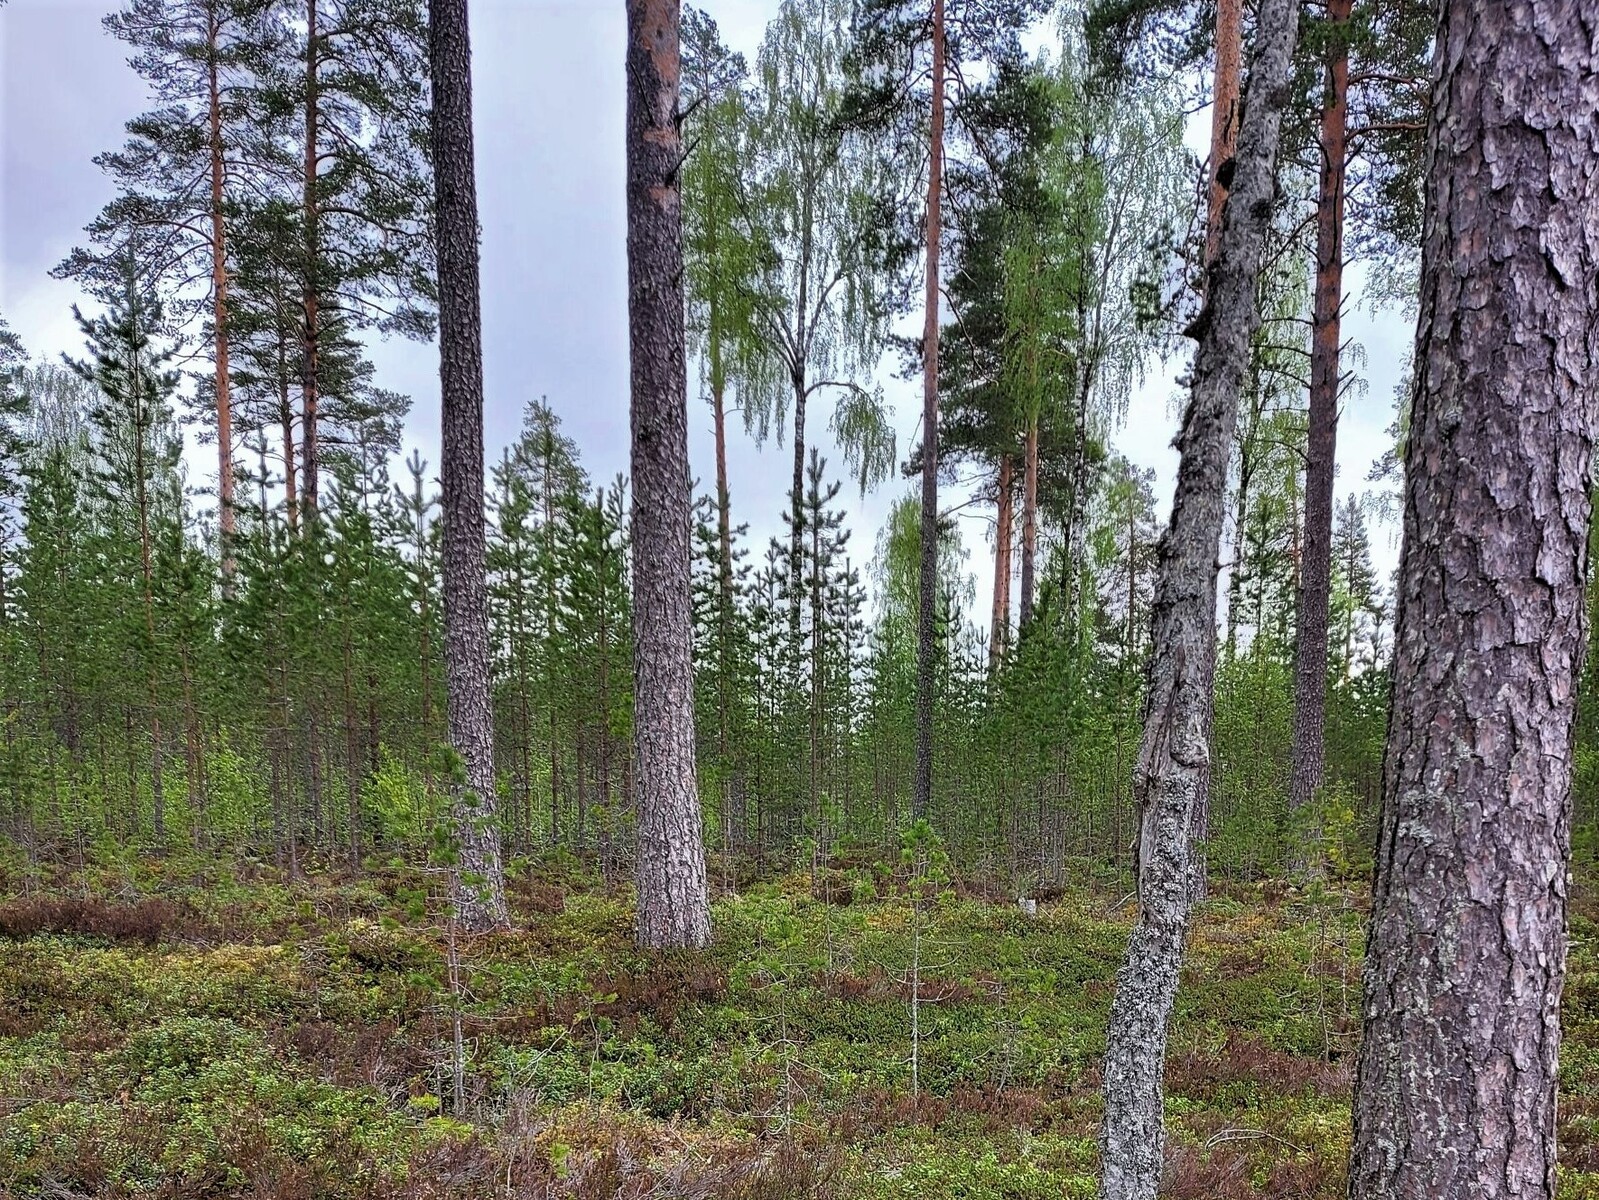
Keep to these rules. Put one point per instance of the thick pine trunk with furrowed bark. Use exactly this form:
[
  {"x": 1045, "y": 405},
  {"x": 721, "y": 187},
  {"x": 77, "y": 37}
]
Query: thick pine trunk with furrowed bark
[
  {"x": 479, "y": 882},
  {"x": 927, "y": 590},
  {"x": 1456, "y": 1082},
  {"x": 1174, "y": 756},
  {"x": 673, "y": 903},
  {"x": 1315, "y": 580}
]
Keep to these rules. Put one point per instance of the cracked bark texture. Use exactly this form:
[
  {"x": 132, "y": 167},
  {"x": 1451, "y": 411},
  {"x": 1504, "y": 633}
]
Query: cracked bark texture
[
  {"x": 1174, "y": 755},
  {"x": 673, "y": 904},
  {"x": 1456, "y": 1080},
  {"x": 478, "y": 884}
]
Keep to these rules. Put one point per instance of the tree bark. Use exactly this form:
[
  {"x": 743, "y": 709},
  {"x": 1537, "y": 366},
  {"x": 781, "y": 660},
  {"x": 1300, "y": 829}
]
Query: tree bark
[
  {"x": 1174, "y": 755},
  {"x": 1456, "y": 1081},
  {"x": 310, "y": 301},
  {"x": 1223, "y": 114},
  {"x": 219, "y": 303},
  {"x": 927, "y": 602},
  {"x": 673, "y": 902},
  {"x": 291, "y": 503},
  {"x": 724, "y": 607},
  {"x": 999, "y": 637},
  {"x": 1315, "y": 574},
  {"x": 479, "y": 879},
  {"x": 1029, "y": 579},
  {"x": 797, "y": 508}
]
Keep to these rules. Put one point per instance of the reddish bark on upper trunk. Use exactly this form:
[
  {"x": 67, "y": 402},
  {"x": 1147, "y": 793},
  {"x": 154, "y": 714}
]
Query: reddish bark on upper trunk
[
  {"x": 1314, "y": 566},
  {"x": 922, "y": 785},
  {"x": 673, "y": 901}
]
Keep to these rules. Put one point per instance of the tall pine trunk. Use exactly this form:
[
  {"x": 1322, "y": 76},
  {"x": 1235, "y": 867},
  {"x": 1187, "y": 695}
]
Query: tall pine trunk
[
  {"x": 1315, "y": 576},
  {"x": 927, "y": 591},
  {"x": 1174, "y": 756},
  {"x": 310, "y": 333},
  {"x": 673, "y": 902},
  {"x": 219, "y": 300},
  {"x": 999, "y": 637},
  {"x": 479, "y": 881},
  {"x": 1456, "y": 1082}
]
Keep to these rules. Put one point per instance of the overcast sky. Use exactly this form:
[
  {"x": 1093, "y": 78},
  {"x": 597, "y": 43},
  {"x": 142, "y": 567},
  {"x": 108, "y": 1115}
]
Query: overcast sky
[{"x": 549, "y": 110}]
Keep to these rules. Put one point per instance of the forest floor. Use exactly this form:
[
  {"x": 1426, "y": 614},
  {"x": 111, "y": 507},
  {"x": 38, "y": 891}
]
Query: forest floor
[{"x": 174, "y": 1028}]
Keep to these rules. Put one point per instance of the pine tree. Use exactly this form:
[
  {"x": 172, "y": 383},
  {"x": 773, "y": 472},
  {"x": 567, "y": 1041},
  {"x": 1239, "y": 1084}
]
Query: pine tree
[
  {"x": 887, "y": 99},
  {"x": 174, "y": 176},
  {"x": 136, "y": 456},
  {"x": 673, "y": 903},
  {"x": 479, "y": 883},
  {"x": 1385, "y": 49},
  {"x": 346, "y": 106},
  {"x": 1457, "y": 1077}
]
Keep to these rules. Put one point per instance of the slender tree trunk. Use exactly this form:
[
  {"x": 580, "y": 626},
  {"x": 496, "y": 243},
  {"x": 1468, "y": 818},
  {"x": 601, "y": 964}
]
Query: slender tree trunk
[
  {"x": 724, "y": 516},
  {"x": 219, "y": 304},
  {"x": 1174, "y": 756},
  {"x": 310, "y": 333},
  {"x": 143, "y": 419},
  {"x": 999, "y": 638},
  {"x": 724, "y": 607},
  {"x": 1315, "y": 573},
  {"x": 426, "y": 649},
  {"x": 352, "y": 774},
  {"x": 1456, "y": 1082},
  {"x": 673, "y": 901},
  {"x": 479, "y": 893},
  {"x": 1029, "y": 579},
  {"x": 291, "y": 495},
  {"x": 927, "y": 592},
  {"x": 1224, "y": 114},
  {"x": 797, "y": 508}
]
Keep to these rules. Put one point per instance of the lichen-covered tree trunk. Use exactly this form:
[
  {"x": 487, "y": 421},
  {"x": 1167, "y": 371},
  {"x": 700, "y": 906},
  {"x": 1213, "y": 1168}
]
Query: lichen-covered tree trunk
[
  {"x": 673, "y": 903},
  {"x": 1315, "y": 581},
  {"x": 1456, "y": 1082},
  {"x": 927, "y": 589},
  {"x": 479, "y": 882},
  {"x": 1174, "y": 756}
]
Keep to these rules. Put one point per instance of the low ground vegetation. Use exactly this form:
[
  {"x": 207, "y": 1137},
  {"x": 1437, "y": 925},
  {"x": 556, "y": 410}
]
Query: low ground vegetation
[{"x": 179, "y": 1027}]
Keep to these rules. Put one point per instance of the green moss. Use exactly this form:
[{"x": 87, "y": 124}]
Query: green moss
[{"x": 303, "y": 1032}]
